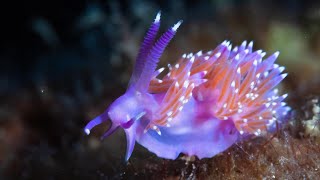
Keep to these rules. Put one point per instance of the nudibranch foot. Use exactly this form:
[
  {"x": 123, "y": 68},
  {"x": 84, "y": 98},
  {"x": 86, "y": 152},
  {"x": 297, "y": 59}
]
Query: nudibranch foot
[
  {"x": 186, "y": 135},
  {"x": 131, "y": 140}
]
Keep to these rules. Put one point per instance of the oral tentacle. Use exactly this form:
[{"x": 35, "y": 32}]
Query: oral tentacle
[
  {"x": 113, "y": 128},
  {"x": 96, "y": 121},
  {"x": 128, "y": 124},
  {"x": 140, "y": 115}
]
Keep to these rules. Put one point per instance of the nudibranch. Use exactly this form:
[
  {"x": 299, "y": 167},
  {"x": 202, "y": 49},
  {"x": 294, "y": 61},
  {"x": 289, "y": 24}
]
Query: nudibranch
[{"x": 203, "y": 105}]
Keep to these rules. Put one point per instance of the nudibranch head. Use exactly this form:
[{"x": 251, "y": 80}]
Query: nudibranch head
[
  {"x": 203, "y": 104},
  {"x": 124, "y": 110}
]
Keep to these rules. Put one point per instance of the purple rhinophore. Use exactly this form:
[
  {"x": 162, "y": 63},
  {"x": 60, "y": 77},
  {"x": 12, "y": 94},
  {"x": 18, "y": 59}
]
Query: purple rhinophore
[{"x": 145, "y": 48}]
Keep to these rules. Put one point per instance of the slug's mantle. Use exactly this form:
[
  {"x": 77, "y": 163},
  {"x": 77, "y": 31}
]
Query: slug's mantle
[{"x": 202, "y": 105}]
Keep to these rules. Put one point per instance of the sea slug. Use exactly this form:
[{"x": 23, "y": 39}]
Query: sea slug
[{"x": 202, "y": 105}]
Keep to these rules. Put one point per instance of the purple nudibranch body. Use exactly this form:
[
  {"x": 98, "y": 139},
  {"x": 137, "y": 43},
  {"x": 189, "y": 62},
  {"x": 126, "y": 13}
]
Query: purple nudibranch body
[{"x": 203, "y": 105}]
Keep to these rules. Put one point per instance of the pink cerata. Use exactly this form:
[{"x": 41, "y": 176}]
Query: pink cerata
[{"x": 203, "y": 105}]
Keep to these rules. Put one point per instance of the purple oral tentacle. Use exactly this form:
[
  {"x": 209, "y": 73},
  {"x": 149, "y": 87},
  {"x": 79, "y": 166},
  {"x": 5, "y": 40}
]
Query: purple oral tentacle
[
  {"x": 113, "y": 128},
  {"x": 96, "y": 121},
  {"x": 145, "y": 48},
  {"x": 154, "y": 56},
  {"x": 128, "y": 124}
]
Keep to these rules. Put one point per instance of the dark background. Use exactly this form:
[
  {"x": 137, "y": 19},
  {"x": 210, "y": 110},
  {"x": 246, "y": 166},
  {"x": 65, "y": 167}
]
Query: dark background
[{"x": 64, "y": 62}]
